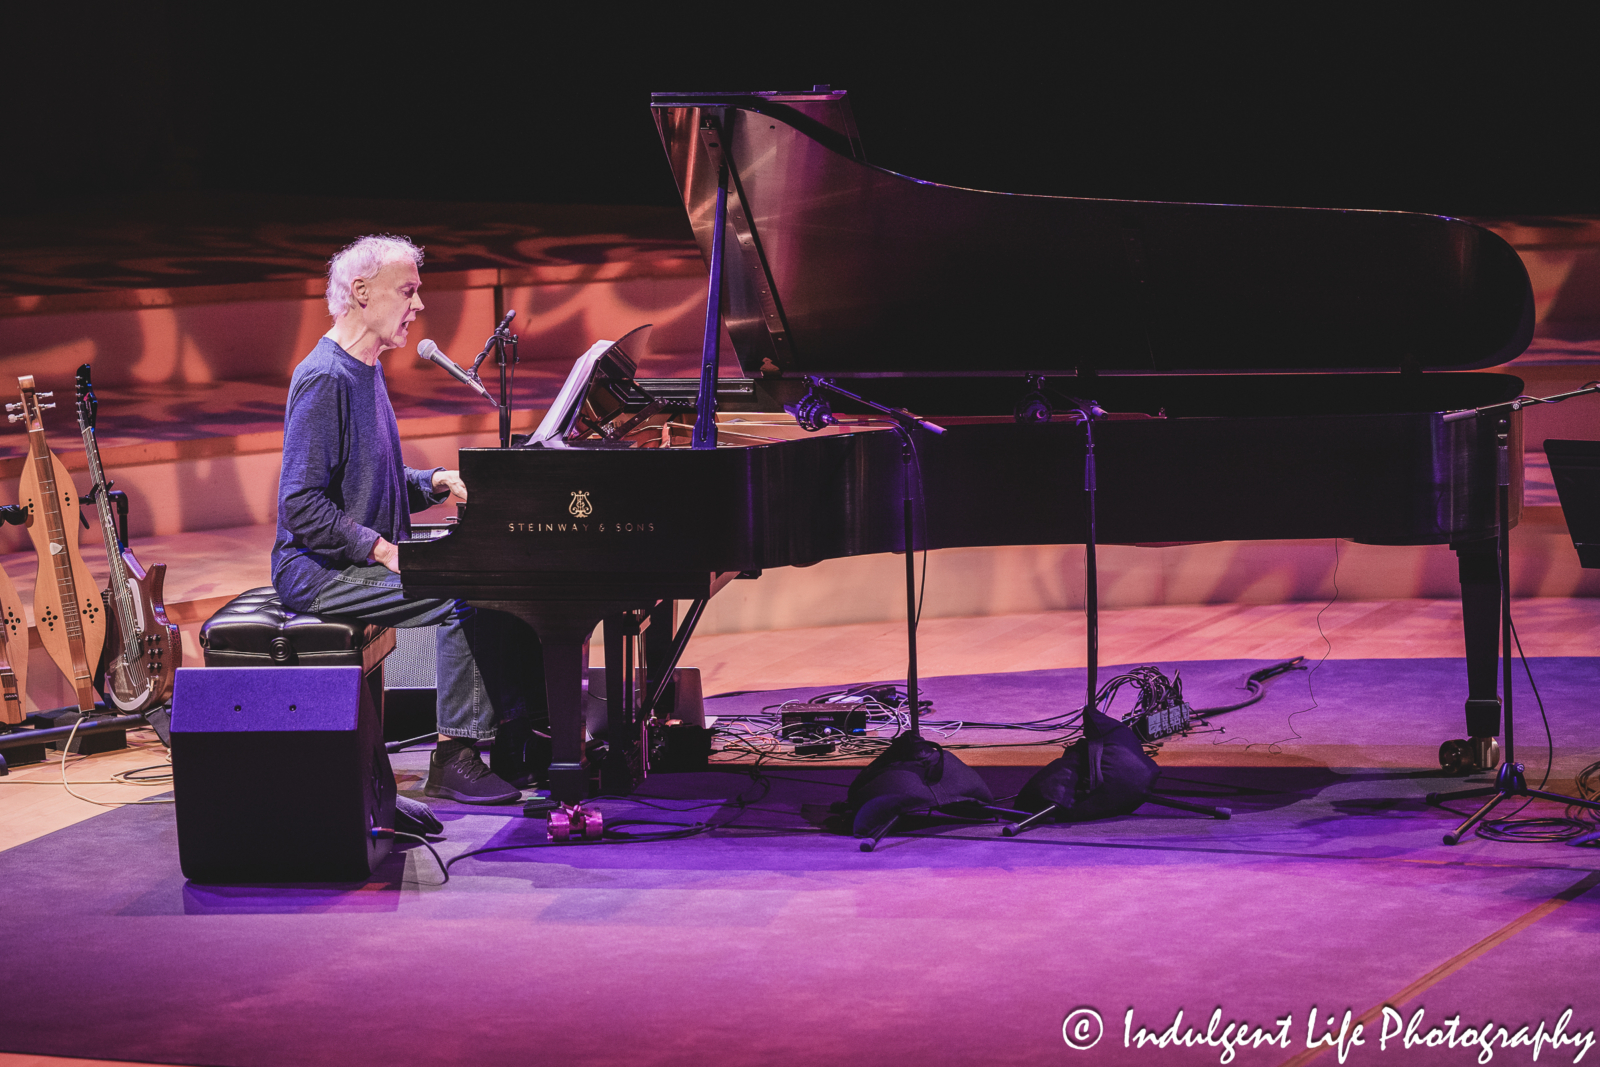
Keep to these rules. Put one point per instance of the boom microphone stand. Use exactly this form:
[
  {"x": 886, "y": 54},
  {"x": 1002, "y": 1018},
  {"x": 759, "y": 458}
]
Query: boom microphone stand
[
  {"x": 501, "y": 340},
  {"x": 1511, "y": 780},
  {"x": 912, "y": 773},
  {"x": 1059, "y": 777},
  {"x": 813, "y": 413}
]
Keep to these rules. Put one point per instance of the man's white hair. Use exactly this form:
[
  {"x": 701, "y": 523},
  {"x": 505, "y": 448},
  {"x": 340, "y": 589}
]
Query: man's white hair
[{"x": 363, "y": 258}]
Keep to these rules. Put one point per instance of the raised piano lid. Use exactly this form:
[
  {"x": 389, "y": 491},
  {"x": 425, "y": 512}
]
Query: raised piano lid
[{"x": 876, "y": 273}]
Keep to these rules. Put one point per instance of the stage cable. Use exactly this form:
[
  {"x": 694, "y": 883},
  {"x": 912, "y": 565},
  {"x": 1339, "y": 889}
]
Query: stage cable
[
  {"x": 444, "y": 868},
  {"x": 615, "y": 835},
  {"x": 66, "y": 752},
  {"x": 1311, "y": 691}
]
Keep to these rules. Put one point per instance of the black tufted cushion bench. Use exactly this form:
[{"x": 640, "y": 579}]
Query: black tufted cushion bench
[
  {"x": 317, "y": 731},
  {"x": 254, "y": 629}
]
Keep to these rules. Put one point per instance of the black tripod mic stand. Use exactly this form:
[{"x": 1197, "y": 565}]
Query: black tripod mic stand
[
  {"x": 913, "y": 773},
  {"x": 1510, "y": 781},
  {"x": 499, "y": 342},
  {"x": 1061, "y": 777}
]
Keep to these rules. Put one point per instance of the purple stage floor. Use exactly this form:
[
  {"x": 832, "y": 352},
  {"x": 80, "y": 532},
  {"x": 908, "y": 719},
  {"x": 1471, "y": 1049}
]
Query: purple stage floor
[{"x": 772, "y": 942}]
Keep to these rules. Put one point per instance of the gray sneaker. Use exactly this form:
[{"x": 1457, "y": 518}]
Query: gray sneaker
[{"x": 458, "y": 774}]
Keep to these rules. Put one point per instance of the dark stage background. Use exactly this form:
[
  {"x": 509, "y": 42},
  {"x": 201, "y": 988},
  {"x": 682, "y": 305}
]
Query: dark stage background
[{"x": 1487, "y": 116}]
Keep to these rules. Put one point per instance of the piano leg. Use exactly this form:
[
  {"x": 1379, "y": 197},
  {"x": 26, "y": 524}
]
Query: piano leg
[
  {"x": 562, "y": 630},
  {"x": 1480, "y": 621},
  {"x": 658, "y": 652},
  {"x": 624, "y": 634},
  {"x": 563, "y": 679}
]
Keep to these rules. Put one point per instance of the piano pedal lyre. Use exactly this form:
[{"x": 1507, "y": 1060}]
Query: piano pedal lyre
[{"x": 574, "y": 821}]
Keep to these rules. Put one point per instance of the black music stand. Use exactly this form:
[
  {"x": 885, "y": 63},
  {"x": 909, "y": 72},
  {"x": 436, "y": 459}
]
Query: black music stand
[
  {"x": 1575, "y": 465},
  {"x": 1510, "y": 781}
]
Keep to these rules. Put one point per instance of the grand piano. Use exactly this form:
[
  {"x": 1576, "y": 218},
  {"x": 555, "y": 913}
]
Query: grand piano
[{"x": 1272, "y": 373}]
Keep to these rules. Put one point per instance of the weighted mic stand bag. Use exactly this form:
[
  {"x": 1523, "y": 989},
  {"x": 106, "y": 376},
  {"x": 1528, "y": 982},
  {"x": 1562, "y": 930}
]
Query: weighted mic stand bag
[{"x": 1103, "y": 774}]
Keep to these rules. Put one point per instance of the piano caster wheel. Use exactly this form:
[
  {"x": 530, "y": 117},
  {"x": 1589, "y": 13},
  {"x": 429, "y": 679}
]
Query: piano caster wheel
[
  {"x": 1469, "y": 755},
  {"x": 573, "y": 821}
]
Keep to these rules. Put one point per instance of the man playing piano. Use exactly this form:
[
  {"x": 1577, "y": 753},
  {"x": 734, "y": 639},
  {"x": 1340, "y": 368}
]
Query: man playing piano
[{"x": 344, "y": 500}]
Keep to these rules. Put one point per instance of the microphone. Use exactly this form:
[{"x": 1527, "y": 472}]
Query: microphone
[
  {"x": 931, "y": 427},
  {"x": 812, "y": 413},
  {"x": 430, "y": 352},
  {"x": 506, "y": 321}
]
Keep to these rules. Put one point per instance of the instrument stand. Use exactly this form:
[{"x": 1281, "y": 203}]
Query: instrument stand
[{"x": 1510, "y": 781}]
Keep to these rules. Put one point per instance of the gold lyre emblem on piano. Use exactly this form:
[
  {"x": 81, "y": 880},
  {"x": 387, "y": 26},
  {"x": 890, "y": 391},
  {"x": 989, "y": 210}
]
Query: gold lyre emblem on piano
[{"x": 580, "y": 506}]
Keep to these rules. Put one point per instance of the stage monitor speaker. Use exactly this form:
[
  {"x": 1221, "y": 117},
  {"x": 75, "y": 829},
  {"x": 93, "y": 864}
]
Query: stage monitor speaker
[
  {"x": 279, "y": 775},
  {"x": 410, "y": 684}
]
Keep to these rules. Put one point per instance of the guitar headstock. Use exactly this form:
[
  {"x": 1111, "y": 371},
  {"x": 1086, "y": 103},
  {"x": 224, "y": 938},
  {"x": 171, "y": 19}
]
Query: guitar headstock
[
  {"x": 32, "y": 406},
  {"x": 87, "y": 404}
]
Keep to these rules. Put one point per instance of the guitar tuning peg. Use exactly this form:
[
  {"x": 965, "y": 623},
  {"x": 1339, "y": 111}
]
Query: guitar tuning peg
[
  {"x": 46, "y": 407},
  {"x": 13, "y": 407},
  {"x": 46, "y": 396},
  {"x": 16, "y": 418}
]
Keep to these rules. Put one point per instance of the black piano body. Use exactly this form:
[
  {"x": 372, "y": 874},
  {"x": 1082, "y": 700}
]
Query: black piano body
[{"x": 1273, "y": 373}]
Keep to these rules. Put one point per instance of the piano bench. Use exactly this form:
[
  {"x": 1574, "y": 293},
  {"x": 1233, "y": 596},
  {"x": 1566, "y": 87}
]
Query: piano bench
[{"x": 254, "y": 629}]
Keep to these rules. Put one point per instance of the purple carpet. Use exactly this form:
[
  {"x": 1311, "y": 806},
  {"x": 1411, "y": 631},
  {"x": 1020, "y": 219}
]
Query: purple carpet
[{"x": 770, "y": 941}]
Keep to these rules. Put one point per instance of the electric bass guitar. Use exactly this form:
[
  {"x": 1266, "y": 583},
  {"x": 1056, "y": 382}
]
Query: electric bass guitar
[
  {"x": 66, "y": 605},
  {"x": 142, "y": 651}
]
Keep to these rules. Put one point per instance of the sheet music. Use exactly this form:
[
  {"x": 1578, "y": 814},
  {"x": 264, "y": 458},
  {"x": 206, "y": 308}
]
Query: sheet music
[{"x": 552, "y": 431}]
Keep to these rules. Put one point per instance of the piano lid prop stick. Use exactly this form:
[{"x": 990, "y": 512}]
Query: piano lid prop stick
[{"x": 705, "y": 405}]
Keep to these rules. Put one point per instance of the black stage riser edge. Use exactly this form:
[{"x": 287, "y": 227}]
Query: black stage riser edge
[{"x": 279, "y": 774}]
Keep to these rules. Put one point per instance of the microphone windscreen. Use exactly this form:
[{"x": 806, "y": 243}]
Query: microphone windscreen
[{"x": 427, "y": 349}]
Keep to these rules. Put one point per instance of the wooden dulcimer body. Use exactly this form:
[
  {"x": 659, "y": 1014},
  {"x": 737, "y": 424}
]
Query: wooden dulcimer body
[
  {"x": 142, "y": 648},
  {"x": 13, "y": 653},
  {"x": 66, "y": 603}
]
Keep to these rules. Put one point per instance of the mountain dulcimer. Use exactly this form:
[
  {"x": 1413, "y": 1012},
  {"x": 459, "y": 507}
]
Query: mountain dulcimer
[
  {"x": 13, "y": 652},
  {"x": 66, "y": 600}
]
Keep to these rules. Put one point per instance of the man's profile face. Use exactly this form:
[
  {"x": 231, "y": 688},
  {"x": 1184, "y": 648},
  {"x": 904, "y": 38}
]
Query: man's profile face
[{"x": 393, "y": 301}]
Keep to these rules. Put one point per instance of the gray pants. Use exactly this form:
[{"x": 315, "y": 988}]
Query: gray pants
[{"x": 490, "y": 666}]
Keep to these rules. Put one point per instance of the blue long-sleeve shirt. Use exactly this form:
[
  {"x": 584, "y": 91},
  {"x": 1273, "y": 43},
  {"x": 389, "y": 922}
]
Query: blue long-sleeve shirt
[{"x": 343, "y": 483}]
